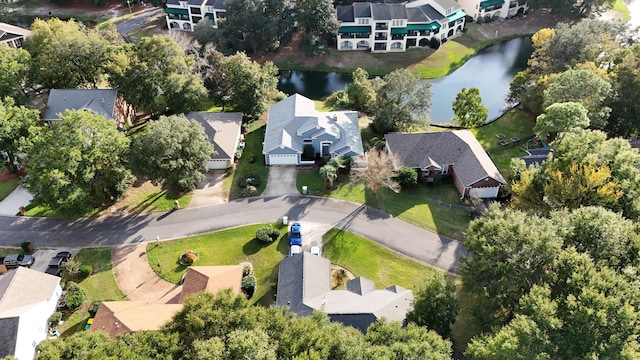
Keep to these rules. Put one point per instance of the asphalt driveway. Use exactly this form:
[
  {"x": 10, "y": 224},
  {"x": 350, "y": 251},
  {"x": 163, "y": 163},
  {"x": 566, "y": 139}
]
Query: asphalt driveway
[{"x": 281, "y": 181}]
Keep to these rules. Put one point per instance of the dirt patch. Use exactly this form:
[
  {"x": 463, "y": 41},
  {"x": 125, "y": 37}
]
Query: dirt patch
[
  {"x": 111, "y": 9},
  {"x": 526, "y": 24}
]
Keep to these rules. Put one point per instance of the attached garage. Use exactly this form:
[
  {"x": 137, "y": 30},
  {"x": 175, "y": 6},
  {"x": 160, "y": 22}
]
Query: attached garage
[
  {"x": 485, "y": 192},
  {"x": 282, "y": 159},
  {"x": 218, "y": 164}
]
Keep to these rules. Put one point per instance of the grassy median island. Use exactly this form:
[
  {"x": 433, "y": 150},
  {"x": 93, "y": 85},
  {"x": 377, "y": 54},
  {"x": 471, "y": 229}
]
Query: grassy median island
[{"x": 226, "y": 247}]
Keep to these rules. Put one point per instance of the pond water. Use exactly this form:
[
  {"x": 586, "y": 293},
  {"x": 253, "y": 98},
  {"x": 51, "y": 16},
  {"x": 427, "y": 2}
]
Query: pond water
[{"x": 491, "y": 71}]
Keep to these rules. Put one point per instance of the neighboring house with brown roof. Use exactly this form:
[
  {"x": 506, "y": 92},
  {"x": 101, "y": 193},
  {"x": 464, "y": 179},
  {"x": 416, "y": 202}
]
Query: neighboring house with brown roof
[
  {"x": 211, "y": 279},
  {"x": 304, "y": 285},
  {"x": 224, "y": 132},
  {"x": 27, "y": 300},
  {"x": 451, "y": 153},
  {"x": 104, "y": 102},
  {"x": 13, "y": 36},
  {"x": 117, "y": 317}
]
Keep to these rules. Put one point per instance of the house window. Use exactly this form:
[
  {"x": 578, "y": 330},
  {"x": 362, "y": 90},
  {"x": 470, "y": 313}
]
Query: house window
[
  {"x": 363, "y": 21},
  {"x": 307, "y": 141}
]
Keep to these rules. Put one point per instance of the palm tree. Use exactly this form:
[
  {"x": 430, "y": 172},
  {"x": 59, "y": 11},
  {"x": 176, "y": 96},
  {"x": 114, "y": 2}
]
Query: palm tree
[{"x": 329, "y": 174}]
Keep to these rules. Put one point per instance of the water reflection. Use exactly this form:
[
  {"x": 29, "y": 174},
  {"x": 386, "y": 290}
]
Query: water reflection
[{"x": 491, "y": 71}]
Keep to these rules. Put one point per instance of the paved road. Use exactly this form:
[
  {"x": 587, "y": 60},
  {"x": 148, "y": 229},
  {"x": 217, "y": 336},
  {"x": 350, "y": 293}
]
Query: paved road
[
  {"x": 139, "y": 20},
  {"x": 373, "y": 224}
]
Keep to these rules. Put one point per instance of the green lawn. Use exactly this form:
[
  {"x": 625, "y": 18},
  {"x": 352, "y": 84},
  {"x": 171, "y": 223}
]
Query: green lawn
[
  {"x": 7, "y": 251},
  {"x": 250, "y": 164},
  {"x": 622, "y": 8},
  {"x": 99, "y": 286},
  {"x": 414, "y": 205},
  {"x": 7, "y": 186},
  {"x": 227, "y": 247},
  {"x": 368, "y": 259}
]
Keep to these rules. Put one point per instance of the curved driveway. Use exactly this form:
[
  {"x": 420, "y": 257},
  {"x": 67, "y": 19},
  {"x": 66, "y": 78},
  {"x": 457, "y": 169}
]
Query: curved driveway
[{"x": 420, "y": 244}]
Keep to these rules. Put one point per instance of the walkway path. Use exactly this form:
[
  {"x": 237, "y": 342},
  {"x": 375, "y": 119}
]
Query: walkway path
[
  {"x": 11, "y": 204},
  {"x": 137, "y": 280},
  {"x": 407, "y": 239}
]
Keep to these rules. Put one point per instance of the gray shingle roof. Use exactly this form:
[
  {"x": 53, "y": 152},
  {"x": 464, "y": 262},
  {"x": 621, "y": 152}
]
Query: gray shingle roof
[
  {"x": 345, "y": 13},
  {"x": 398, "y": 11},
  {"x": 99, "y": 101},
  {"x": 8, "y": 336},
  {"x": 362, "y": 9},
  {"x": 290, "y": 116},
  {"x": 217, "y": 4},
  {"x": 222, "y": 129},
  {"x": 381, "y": 11},
  {"x": 458, "y": 148},
  {"x": 536, "y": 156},
  {"x": 304, "y": 284}
]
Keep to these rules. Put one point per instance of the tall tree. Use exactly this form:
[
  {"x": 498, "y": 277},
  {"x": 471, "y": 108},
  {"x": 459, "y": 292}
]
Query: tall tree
[
  {"x": 582, "y": 185},
  {"x": 584, "y": 87},
  {"x": 379, "y": 172},
  {"x": 66, "y": 54},
  {"x": 317, "y": 18},
  {"x": 561, "y": 117},
  {"x": 360, "y": 92},
  {"x": 468, "y": 109},
  {"x": 403, "y": 102},
  {"x": 156, "y": 75},
  {"x": 624, "y": 119},
  {"x": 539, "y": 60},
  {"x": 583, "y": 311},
  {"x": 79, "y": 163},
  {"x": 511, "y": 252},
  {"x": 254, "y": 26},
  {"x": 14, "y": 67},
  {"x": 435, "y": 305},
  {"x": 15, "y": 122},
  {"x": 173, "y": 151}
]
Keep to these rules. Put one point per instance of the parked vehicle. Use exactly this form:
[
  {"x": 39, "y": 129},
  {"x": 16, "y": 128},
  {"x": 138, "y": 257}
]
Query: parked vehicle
[
  {"x": 55, "y": 264},
  {"x": 295, "y": 249},
  {"x": 315, "y": 250},
  {"x": 295, "y": 235},
  {"x": 15, "y": 260},
  {"x": 54, "y": 270},
  {"x": 63, "y": 254}
]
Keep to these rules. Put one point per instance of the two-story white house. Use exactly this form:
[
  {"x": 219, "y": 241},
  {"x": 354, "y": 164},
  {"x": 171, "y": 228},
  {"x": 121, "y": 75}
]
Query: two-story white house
[
  {"x": 185, "y": 14},
  {"x": 487, "y": 9},
  {"x": 381, "y": 27}
]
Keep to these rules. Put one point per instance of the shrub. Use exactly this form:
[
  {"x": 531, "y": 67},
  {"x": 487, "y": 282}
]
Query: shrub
[
  {"x": 26, "y": 246},
  {"x": 55, "y": 318},
  {"x": 253, "y": 180},
  {"x": 75, "y": 295},
  {"x": 248, "y": 285},
  {"x": 249, "y": 191},
  {"x": 71, "y": 267},
  {"x": 188, "y": 258},
  {"x": 247, "y": 268},
  {"x": 434, "y": 43},
  {"x": 93, "y": 308},
  {"x": 267, "y": 234},
  {"x": 407, "y": 177},
  {"x": 85, "y": 270}
]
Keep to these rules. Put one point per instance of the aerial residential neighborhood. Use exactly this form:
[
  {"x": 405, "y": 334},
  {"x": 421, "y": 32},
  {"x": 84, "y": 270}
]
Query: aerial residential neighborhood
[{"x": 228, "y": 180}]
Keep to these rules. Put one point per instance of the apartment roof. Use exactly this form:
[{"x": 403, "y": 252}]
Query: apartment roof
[
  {"x": 99, "y": 101},
  {"x": 345, "y": 13},
  {"x": 458, "y": 148},
  {"x": 222, "y": 129},
  {"x": 212, "y": 279},
  {"x": 362, "y": 9}
]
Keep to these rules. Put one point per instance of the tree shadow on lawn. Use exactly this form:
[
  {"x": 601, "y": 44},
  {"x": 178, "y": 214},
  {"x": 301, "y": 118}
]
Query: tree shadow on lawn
[
  {"x": 150, "y": 200},
  {"x": 254, "y": 245}
]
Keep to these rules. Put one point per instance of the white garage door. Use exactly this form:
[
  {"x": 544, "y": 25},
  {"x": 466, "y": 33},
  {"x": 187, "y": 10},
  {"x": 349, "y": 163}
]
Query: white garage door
[
  {"x": 217, "y": 164},
  {"x": 283, "y": 159},
  {"x": 484, "y": 193}
]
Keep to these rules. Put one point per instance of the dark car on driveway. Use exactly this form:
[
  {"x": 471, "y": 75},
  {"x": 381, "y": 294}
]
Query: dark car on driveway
[
  {"x": 63, "y": 254},
  {"x": 15, "y": 260},
  {"x": 56, "y": 262},
  {"x": 295, "y": 237}
]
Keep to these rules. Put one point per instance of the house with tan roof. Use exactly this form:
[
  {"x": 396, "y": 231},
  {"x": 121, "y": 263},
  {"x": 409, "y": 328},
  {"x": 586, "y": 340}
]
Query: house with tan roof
[
  {"x": 13, "y": 36},
  {"x": 224, "y": 133},
  {"x": 304, "y": 286},
  {"x": 117, "y": 317},
  {"x": 456, "y": 154},
  {"x": 27, "y": 299}
]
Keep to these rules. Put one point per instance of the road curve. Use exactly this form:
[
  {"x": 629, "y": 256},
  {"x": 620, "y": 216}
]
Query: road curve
[{"x": 373, "y": 224}]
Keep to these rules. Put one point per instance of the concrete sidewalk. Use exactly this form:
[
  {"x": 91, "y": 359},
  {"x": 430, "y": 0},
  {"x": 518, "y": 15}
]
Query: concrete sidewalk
[{"x": 10, "y": 206}]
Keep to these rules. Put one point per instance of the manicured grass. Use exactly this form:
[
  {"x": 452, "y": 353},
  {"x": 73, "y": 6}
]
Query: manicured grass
[
  {"x": 414, "y": 205},
  {"x": 148, "y": 198},
  {"x": 101, "y": 285},
  {"x": 514, "y": 123},
  {"x": 7, "y": 251},
  {"x": 250, "y": 163},
  {"x": 447, "y": 58},
  {"x": 227, "y": 247},
  {"x": 368, "y": 259},
  {"x": 7, "y": 186},
  {"x": 39, "y": 210},
  {"x": 209, "y": 105}
]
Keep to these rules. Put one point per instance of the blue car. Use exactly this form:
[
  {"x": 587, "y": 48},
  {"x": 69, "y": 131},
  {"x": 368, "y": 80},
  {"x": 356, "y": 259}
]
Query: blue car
[{"x": 295, "y": 237}]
